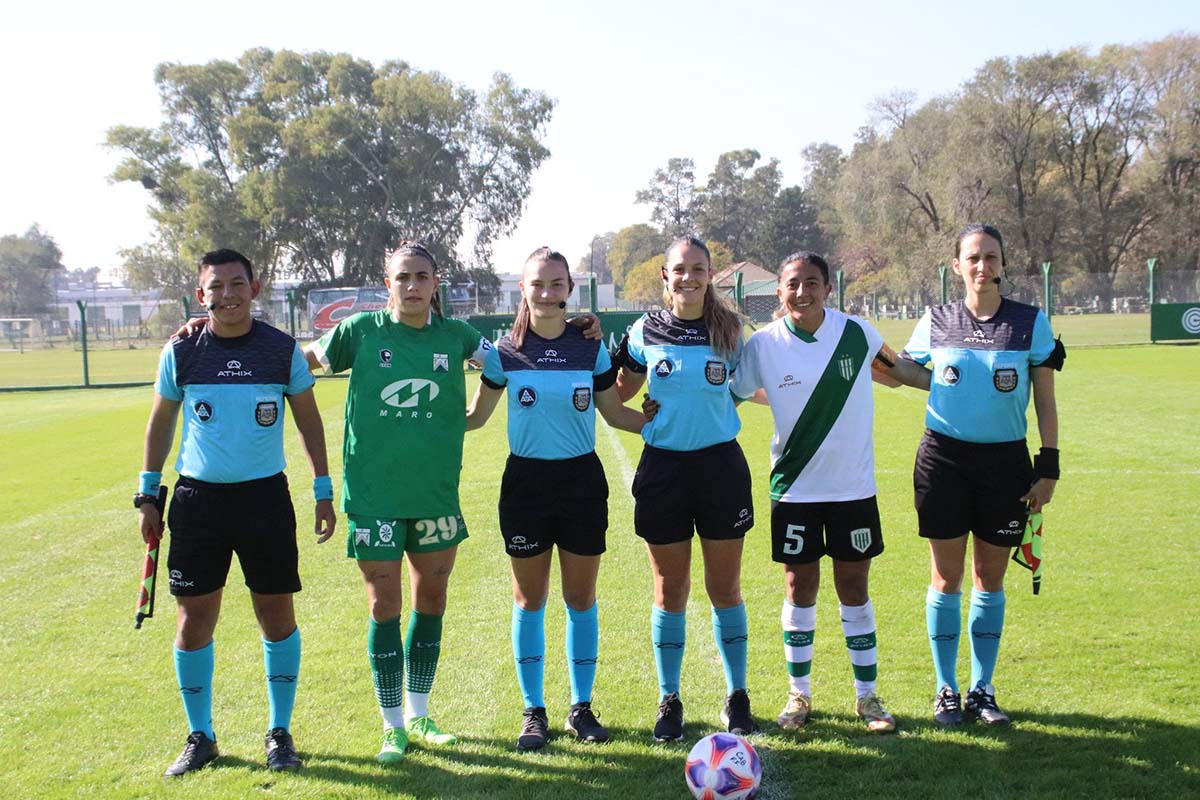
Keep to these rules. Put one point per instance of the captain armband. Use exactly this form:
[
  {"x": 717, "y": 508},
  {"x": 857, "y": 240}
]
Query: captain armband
[
  {"x": 884, "y": 360},
  {"x": 1057, "y": 356},
  {"x": 621, "y": 358}
]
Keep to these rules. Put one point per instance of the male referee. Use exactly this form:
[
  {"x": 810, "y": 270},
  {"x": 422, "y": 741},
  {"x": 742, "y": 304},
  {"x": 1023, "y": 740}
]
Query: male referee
[{"x": 230, "y": 378}]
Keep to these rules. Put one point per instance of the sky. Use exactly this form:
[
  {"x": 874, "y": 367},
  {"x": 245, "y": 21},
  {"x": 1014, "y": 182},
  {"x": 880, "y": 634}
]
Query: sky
[{"x": 635, "y": 83}]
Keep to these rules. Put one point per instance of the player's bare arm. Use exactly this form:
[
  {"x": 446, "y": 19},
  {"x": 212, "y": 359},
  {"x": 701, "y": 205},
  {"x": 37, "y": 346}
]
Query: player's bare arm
[
  {"x": 482, "y": 406},
  {"x": 629, "y": 383},
  {"x": 892, "y": 370},
  {"x": 312, "y": 439},
  {"x": 160, "y": 433},
  {"x": 617, "y": 414},
  {"x": 1046, "y": 409}
]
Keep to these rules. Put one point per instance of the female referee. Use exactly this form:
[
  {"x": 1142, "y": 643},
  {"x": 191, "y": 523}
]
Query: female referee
[
  {"x": 692, "y": 475},
  {"x": 972, "y": 471},
  {"x": 554, "y": 491},
  {"x": 404, "y": 406}
]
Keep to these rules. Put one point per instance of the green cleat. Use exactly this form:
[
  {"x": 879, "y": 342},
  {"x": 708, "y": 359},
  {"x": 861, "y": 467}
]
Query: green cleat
[
  {"x": 426, "y": 731},
  {"x": 395, "y": 743}
]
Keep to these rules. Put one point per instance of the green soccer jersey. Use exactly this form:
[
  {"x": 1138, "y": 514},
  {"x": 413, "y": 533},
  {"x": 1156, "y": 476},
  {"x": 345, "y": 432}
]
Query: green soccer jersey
[{"x": 405, "y": 412}]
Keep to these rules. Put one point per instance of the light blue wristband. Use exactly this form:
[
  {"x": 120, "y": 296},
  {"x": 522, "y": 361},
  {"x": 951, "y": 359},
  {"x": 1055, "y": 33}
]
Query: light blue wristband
[
  {"x": 148, "y": 482},
  {"x": 322, "y": 488}
]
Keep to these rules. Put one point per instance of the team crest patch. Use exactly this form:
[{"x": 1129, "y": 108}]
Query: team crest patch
[
  {"x": 664, "y": 368},
  {"x": 266, "y": 412},
  {"x": 950, "y": 375},
  {"x": 715, "y": 372},
  {"x": 362, "y": 536},
  {"x": 1004, "y": 379},
  {"x": 527, "y": 397},
  {"x": 582, "y": 398},
  {"x": 860, "y": 539},
  {"x": 386, "y": 532},
  {"x": 441, "y": 362},
  {"x": 385, "y": 358},
  {"x": 204, "y": 411},
  {"x": 846, "y": 367}
]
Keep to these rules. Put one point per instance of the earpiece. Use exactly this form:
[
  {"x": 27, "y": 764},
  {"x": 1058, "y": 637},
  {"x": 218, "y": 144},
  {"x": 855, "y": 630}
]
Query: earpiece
[{"x": 562, "y": 304}]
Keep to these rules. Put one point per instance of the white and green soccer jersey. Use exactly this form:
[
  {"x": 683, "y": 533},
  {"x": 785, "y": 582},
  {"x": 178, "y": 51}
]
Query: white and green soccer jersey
[
  {"x": 819, "y": 387},
  {"x": 405, "y": 412}
]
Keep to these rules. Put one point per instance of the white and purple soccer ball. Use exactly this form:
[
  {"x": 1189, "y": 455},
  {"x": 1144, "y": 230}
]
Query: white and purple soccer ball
[{"x": 723, "y": 766}]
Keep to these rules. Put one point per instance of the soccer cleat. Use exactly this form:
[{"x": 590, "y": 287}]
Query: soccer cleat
[
  {"x": 981, "y": 704},
  {"x": 669, "y": 725},
  {"x": 735, "y": 716},
  {"x": 582, "y": 722},
  {"x": 426, "y": 731},
  {"x": 870, "y": 709},
  {"x": 535, "y": 730},
  {"x": 947, "y": 707},
  {"x": 198, "y": 751},
  {"x": 395, "y": 745},
  {"x": 795, "y": 713},
  {"x": 281, "y": 751}
]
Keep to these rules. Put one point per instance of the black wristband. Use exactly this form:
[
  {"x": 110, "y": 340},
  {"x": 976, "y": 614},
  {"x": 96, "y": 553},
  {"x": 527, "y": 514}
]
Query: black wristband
[{"x": 1045, "y": 463}]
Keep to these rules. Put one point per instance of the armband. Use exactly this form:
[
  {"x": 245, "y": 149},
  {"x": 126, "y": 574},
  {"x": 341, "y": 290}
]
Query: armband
[
  {"x": 1057, "y": 356},
  {"x": 620, "y": 354},
  {"x": 1045, "y": 464},
  {"x": 884, "y": 360},
  {"x": 322, "y": 488},
  {"x": 148, "y": 482}
]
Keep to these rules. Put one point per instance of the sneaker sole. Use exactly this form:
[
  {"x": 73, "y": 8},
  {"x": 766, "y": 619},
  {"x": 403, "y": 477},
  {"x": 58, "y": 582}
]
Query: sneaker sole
[{"x": 791, "y": 724}]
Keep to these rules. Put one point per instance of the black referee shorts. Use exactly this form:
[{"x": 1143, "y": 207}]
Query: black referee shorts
[
  {"x": 547, "y": 502},
  {"x": 210, "y": 522},
  {"x": 963, "y": 487},
  {"x": 706, "y": 491}
]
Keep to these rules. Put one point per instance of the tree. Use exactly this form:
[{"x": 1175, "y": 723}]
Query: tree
[
  {"x": 631, "y": 246},
  {"x": 644, "y": 282},
  {"x": 736, "y": 202},
  {"x": 671, "y": 196},
  {"x": 596, "y": 258},
  {"x": 26, "y": 264},
  {"x": 318, "y": 164}
]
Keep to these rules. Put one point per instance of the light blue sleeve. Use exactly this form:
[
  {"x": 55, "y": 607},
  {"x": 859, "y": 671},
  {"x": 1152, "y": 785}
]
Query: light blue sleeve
[
  {"x": 918, "y": 344},
  {"x": 301, "y": 379},
  {"x": 637, "y": 342},
  {"x": 603, "y": 361},
  {"x": 1043, "y": 339},
  {"x": 492, "y": 368},
  {"x": 165, "y": 384}
]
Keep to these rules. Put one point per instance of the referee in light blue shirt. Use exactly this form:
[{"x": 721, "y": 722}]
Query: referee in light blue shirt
[{"x": 231, "y": 379}]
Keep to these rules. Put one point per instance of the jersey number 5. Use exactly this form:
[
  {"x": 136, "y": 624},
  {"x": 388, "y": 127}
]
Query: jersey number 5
[{"x": 793, "y": 540}]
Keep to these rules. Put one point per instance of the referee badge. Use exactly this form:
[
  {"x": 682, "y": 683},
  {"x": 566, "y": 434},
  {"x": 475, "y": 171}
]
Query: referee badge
[
  {"x": 527, "y": 397},
  {"x": 266, "y": 412},
  {"x": 664, "y": 368},
  {"x": 582, "y": 398},
  {"x": 714, "y": 372},
  {"x": 1004, "y": 379}
]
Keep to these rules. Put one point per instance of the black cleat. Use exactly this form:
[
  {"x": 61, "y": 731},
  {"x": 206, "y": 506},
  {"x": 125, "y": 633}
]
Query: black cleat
[
  {"x": 535, "y": 731},
  {"x": 735, "y": 716},
  {"x": 947, "y": 707},
  {"x": 582, "y": 722},
  {"x": 981, "y": 704},
  {"x": 669, "y": 725},
  {"x": 281, "y": 752},
  {"x": 198, "y": 751}
]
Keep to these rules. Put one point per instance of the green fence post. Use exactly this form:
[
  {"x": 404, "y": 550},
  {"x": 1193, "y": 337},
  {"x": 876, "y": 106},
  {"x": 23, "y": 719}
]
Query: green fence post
[
  {"x": 875, "y": 305},
  {"x": 291, "y": 301},
  {"x": 82, "y": 305},
  {"x": 1047, "y": 269},
  {"x": 943, "y": 271},
  {"x": 1151, "y": 263},
  {"x": 841, "y": 286},
  {"x": 592, "y": 293},
  {"x": 739, "y": 291},
  {"x": 444, "y": 296}
]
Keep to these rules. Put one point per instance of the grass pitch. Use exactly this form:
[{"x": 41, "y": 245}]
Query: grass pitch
[{"x": 1098, "y": 671}]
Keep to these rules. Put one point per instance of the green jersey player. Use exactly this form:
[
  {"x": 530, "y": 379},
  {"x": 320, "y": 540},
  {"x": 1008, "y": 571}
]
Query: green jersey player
[{"x": 405, "y": 406}]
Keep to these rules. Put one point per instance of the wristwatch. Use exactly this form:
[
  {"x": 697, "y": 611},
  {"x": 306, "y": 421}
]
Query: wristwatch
[{"x": 140, "y": 499}]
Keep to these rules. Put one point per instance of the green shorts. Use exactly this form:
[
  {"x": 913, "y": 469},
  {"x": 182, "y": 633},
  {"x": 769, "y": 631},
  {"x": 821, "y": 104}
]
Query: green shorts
[{"x": 372, "y": 539}]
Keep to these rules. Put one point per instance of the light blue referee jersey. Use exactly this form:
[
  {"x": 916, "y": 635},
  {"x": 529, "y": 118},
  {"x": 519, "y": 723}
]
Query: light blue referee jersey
[
  {"x": 232, "y": 390},
  {"x": 688, "y": 378},
  {"x": 980, "y": 386},
  {"x": 551, "y": 385}
]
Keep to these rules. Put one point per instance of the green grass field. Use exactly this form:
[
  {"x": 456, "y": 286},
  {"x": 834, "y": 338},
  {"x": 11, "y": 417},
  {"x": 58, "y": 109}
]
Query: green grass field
[{"x": 1098, "y": 671}]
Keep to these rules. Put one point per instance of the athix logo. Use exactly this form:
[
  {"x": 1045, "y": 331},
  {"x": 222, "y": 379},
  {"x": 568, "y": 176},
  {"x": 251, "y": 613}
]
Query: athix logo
[
  {"x": 408, "y": 393},
  {"x": 177, "y": 579},
  {"x": 551, "y": 357},
  {"x": 233, "y": 369},
  {"x": 978, "y": 337},
  {"x": 789, "y": 380},
  {"x": 690, "y": 335}
]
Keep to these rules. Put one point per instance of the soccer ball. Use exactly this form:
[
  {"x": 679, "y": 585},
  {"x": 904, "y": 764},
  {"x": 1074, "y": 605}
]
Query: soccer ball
[{"x": 723, "y": 766}]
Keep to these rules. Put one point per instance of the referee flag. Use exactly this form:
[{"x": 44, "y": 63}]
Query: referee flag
[{"x": 1029, "y": 553}]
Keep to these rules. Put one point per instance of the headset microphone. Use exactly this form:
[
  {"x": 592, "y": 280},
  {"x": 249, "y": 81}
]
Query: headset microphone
[
  {"x": 562, "y": 304},
  {"x": 996, "y": 281}
]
